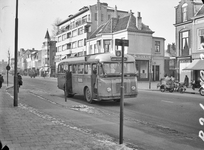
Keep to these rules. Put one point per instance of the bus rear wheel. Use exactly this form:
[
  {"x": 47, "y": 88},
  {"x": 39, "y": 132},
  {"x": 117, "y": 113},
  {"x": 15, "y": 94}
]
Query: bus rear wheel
[{"x": 88, "y": 95}]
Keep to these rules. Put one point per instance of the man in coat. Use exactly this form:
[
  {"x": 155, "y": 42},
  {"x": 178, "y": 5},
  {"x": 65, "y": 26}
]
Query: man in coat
[{"x": 1, "y": 80}]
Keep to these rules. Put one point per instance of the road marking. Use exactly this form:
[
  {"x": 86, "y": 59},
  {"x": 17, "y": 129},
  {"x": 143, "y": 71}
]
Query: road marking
[{"x": 167, "y": 101}]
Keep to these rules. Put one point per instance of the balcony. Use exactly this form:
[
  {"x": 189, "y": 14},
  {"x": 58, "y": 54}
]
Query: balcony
[{"x": 83, "y": 22}]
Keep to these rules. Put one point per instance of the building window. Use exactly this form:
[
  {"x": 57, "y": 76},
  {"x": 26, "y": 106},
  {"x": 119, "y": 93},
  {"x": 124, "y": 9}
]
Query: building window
[
  {"x": 101, "y": 17},
  {"x": 95, "y": 49},
  {"x": 99, "y": 46},
  {"x": 95, "y": 16},
  {"x": 184, "y": 12},
  {"x": 84, "y": 19},
  {"x": 74, "y": 33},
  {"x": 74, "y": 44},
  {"x": 89, "y": 17},
  {"x": 157, "y": 46},
  {"x": 64, "y": 37},
  {"x": 59, "y": 49},
  {"x": 69, "y": 46},
  {"x": 184, "y": 42},
  {"x": 107, "y": 45},
  {"x": 69, "y": 35},
  {"x": 84, "y": 42},
  {"x": 90, "y": 49},
  {"x": 80, "y": 43},
  {"x": 201, "y": 39},
  {"x": 80, "y": 31},
  {"x": 64, "y": 47},
  {"x": 59, "y": 38}
]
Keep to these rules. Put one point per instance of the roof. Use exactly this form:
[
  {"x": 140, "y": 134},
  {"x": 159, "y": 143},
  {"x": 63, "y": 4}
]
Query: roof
[
  {"x": 201, "y": 11},
  {"x": 196, "y": 65},
  {"x": 47, "y": 36},
  {"x": 127, "y": 22},
  {"x": 104, "y": 57},
  {"x": 73, "y": 16}
]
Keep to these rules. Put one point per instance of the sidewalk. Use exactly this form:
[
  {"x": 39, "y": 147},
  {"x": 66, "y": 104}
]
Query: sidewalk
[
  {"x": 24, "y": 129},
  {"x": 146, "y": 85}
]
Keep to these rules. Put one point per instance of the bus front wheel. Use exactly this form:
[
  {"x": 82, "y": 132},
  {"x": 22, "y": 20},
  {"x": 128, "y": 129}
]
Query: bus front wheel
[{"x": 88, "y": 95}]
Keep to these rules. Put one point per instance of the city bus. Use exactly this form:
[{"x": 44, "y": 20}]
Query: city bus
[{"x": 97, "y": 77}]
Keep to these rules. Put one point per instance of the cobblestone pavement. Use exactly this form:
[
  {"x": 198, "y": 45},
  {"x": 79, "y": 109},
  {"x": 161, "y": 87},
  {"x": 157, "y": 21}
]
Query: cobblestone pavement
[{"x": 22, "y": 128}]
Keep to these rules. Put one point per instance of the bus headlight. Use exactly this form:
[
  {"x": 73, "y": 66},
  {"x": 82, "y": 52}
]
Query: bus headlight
[
  {"x": 133, "y": 88},
  {"x": 109, "y": 89}
]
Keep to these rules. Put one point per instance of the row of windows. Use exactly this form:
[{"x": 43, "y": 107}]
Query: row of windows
[
  {"x": 77, "y": 23},
  {"x": 75, "y": 68},
  {"x": 72, "y": 45},
  {"x": 74, "y": 33},
  {"x": 185, "y": 42},
  {"x": 102, "y": 17}
]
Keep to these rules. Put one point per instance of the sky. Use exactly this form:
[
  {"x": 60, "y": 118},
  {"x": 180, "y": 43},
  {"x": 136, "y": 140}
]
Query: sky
[{"x": 35, "y": 17}]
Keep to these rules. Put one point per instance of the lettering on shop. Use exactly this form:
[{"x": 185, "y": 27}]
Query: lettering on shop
[
  {"x": 142, "y": 56},
  {"x": 201, "y": 121}
]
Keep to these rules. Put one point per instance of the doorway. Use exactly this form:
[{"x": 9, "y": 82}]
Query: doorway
[{"x": 155, "y": 74}]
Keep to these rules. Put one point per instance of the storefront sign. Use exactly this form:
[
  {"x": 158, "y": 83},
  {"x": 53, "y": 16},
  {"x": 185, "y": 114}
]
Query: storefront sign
[
  {"x": 137, "y": 56},
  {"x": 118, "y": 58}
]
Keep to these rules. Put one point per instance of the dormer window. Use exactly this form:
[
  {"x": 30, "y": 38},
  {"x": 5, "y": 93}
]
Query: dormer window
[{"x": 184, "y": 12}]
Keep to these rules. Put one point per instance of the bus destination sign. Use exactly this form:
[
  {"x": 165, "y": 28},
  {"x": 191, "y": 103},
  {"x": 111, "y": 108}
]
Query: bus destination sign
[{"x": 118, "y": 58}]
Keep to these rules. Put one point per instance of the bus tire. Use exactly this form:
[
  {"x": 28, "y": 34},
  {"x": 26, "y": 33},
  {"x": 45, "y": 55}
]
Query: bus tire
[
  {"x": 88, "y": 95},
  {"x": 70, "y": 95}
]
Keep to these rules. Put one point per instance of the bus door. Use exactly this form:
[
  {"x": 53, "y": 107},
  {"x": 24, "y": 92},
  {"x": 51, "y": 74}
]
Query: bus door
[
  {"x": 69, "y": 82},
  {"x": 94, "y": 79}
]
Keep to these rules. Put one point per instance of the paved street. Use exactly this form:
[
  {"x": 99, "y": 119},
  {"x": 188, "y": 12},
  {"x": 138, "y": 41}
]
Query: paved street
[
  {"x": 25, "y": 128},
  {"x": 57, "y": 133}
]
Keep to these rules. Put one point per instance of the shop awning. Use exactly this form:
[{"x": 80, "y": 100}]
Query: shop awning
[{"x": 196, "y": 65}]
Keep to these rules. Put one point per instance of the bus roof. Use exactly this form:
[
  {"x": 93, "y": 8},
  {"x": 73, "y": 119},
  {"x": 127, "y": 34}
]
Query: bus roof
[{"x": 105, "y": 57}]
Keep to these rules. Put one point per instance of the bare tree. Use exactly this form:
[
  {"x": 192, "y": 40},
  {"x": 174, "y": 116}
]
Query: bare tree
[{"x": 55, "y": 28}]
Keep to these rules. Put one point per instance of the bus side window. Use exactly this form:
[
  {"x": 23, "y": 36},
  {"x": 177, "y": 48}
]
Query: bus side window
[
  {"x": 74, "y": 68},
  {"x": 80, "y": 68},
  {"x": 70, "y": 68},
  {"x": 87, "y": 69},
  {"x": 61, "y": 69},
  {"x": 65, "y": 68},
  {"x": 100, "y": 70}
]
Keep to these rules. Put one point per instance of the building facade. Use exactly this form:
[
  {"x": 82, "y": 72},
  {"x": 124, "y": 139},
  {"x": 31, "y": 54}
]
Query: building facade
[
  {"x": 94, "y": 30},
  {"x": 76, "y": 29},
  {"x": 189, "y": 32},
  {"x": 147, "y": 50},
  {"x": 47, "y": 56}
]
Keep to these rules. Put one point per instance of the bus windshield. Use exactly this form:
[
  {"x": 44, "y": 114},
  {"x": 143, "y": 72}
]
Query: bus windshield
[{"x": 115, "y": 68}]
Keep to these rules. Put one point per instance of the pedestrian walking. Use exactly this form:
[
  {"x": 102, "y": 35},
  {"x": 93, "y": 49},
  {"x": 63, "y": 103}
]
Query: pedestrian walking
[
  {"x": 20, "y": 81},
  {"x": 1, "y": 80},
  {"x": 186, "y": 81}
]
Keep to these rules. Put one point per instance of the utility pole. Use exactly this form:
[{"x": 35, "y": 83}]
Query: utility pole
[
  {"x": 120, "y": 42},
  {"x": 16, "y": 59}
]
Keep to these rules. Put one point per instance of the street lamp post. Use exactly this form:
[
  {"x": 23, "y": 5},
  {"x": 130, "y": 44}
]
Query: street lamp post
[{"x": 16, "y": 59}]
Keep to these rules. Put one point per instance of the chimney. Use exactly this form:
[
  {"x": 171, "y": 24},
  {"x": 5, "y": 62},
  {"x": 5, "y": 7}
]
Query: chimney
[
  {"x": 139, "y": 21},
  {"x": 168, "y": 48},
  {"x": 98, "y": 13},
  {"x": 115, "y": 12}
]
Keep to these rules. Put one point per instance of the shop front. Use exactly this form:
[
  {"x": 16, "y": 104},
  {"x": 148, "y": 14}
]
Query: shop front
[{"x": 142, "y": 66}]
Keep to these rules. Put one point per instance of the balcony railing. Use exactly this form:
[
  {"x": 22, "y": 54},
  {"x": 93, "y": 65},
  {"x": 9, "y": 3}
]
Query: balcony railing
[{"x": 73, "y": 27}]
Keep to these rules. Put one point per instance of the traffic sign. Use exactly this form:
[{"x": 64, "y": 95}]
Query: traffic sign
[
  {"x": 118, "y": 53},
  {"x": 121, "y": 42},
  {"x": 8, "y": 67}
]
